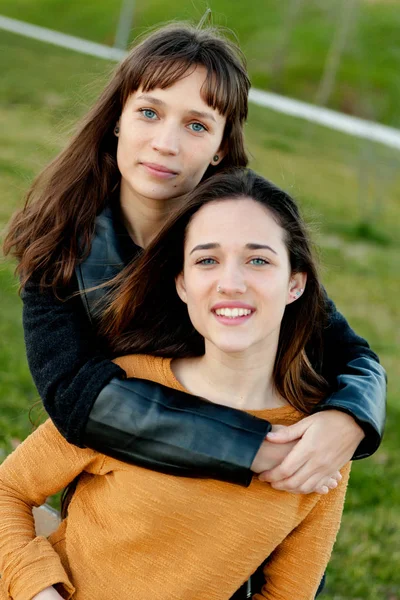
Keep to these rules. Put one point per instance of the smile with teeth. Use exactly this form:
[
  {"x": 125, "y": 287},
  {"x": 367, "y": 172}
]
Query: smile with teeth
[{"x": 233, "y": 313}]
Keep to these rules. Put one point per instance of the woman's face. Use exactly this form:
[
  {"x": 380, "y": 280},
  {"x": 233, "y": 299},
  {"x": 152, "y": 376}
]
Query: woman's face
[
  {"x": 167, "y": 139},
  {"x": 237, "y": 278}
]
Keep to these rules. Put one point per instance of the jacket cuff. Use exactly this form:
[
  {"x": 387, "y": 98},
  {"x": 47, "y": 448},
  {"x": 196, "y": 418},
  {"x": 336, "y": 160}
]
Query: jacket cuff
[
  {"x": 361, "y": 394},
  {"x": 38, "y": 567}
]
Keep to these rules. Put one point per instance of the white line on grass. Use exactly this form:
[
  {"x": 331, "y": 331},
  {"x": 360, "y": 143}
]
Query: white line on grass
[
  {"x": 329, "y": 118},
  {"x": 61, "y": 39},
  {"x": 323, "y": 116}
]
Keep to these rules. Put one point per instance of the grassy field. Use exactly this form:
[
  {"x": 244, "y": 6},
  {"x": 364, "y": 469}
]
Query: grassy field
[
  {"x": 369, "y": 75},
  {"x": 349, "y": 190}
]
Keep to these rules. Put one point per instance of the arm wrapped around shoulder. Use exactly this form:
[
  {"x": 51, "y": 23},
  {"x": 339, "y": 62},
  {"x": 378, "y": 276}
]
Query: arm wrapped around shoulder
[{"x": 357, "y": 378}]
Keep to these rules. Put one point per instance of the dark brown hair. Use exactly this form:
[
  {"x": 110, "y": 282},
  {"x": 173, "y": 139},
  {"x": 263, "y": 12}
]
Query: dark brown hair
[
  {"x": 146, "y": 315},
  {"x": 54, "y": 229}
]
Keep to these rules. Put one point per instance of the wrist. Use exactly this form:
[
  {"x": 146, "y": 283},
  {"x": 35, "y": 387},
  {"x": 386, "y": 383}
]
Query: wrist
[
  {"x": 270, "y": 455},
  {"x": 50, "y": 593},
  {"x": 350, "y": 425}
]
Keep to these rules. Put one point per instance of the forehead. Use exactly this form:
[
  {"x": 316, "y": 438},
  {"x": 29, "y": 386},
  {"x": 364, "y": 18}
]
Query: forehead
[
  {"x": 235, "y": 222},
  {"x": 217, "y": 90},
  {"x": 188, "y": 90}
]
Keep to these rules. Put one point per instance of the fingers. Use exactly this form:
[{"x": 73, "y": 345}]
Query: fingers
[
  {"x": 330, "y": 483},
  {"x": 299, "y": 474},
  {"x": 278, "y": 476},
  {"x": 275, "y": 427},
  {"x": 291, "y": 465},
  {"x": 324, "y": 489},
  {"x": 282, "y": 435},
  {"x": 301, "y": 483},
  {"x": 308, "y": 467}
]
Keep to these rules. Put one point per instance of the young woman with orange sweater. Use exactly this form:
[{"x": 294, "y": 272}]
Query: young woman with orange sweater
[{"x": 226, "y": 304}]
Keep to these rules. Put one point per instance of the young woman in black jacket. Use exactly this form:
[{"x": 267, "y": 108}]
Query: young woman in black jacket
[{"x": 172, "y": 115}]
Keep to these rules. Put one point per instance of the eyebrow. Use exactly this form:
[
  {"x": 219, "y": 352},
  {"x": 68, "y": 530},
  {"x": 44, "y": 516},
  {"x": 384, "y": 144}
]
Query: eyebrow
[
  {"x": 214, "y": 245},
  {"x": 202, "y": 115},
  {"x": 158, "y": 102},
  {"x": 152, "y": 99}
]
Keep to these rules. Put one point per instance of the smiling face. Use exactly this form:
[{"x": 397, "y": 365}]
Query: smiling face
[
  {"x": 237, "y": 278},
  {"x": 167, "y": 139}
]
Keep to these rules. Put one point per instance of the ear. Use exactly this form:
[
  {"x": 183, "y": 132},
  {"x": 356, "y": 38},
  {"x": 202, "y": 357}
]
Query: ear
[
  {"x": 296, "y": 287},
  {"x": 221, "y": 153},
  {"x": 180, "y": 287}
]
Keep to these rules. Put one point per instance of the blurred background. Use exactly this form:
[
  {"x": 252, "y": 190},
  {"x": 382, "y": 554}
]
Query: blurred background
[{"x": 342, "y": 54}]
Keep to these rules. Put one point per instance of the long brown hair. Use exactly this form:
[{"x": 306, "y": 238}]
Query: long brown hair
[
  {"x": 54, "y": 229},
  {"x": 146, "y": 315}
]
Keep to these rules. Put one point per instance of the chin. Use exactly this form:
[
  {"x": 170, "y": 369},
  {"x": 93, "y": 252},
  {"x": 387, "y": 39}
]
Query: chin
[
  {"x": 232, "y": 348},
  {"x": 157, "y": 192}
]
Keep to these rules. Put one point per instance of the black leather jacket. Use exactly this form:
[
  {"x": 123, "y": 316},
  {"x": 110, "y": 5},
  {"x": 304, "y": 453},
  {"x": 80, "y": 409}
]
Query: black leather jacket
[
  {"x": 94, "y": 405},
  {"x": 361, "y": 385}
]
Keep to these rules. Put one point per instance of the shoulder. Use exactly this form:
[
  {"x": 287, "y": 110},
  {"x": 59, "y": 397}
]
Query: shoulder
[
  {"x": 144, "y": 366},
  {"x": 46, "y": 452}
]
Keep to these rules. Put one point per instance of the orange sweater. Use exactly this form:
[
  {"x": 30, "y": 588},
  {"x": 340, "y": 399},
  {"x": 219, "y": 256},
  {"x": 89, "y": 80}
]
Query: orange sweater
[{"x": 135, "y": 533}]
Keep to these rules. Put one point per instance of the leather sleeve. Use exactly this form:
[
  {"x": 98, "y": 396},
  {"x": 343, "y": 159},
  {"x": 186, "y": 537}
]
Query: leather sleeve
[
  {"x": 136, "y": 421},
  {"x": 357, "y": 378},
  {"x": 156, "y": 427}
]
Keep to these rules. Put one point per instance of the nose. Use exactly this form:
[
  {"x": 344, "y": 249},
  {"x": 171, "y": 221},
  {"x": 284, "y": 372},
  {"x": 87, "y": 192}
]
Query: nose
[
  {"x": 166, "y": 139},
  {"x": 231, "y": 282}
]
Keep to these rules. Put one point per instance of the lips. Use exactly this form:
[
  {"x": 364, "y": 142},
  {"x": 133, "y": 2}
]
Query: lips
[
  {"x": 161, "y": 169},
  {"x": 232, "y": 304},
  {"x": 232, "y": 313}
]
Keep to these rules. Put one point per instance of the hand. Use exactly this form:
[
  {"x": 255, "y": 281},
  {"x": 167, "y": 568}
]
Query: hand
[
  {"x": 271, "y": 455},
  {"x": 49, "y": 593},
  {"x": 326, "y": 441}
]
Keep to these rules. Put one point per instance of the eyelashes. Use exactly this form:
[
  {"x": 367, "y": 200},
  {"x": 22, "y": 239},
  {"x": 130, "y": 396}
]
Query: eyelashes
[
  {"x": 257, "y": 262},
  {"x": 206, "y": 261},
  {"x": 150, "y": 115},
  {"x": 203, "y": 128},
  {"x": 261, "y": 261},
  {"x": 143, "y": 111}
]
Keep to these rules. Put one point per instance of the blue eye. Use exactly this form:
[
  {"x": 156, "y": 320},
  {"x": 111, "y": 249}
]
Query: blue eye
[
  {"x": 259, "y": 262},
  {"x": 197, "y": 127},
  {"x": 148, "y": 113},
  {"x": 206, "y": 261}
]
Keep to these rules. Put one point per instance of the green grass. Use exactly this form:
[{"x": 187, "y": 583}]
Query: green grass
[
  {"x": 368, "y": 80},
  {"x": 341, "y": 184}
]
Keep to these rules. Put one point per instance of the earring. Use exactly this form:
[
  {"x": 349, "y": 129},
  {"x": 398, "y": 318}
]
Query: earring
[
  {"x": 116, "y": 130},
  {"x": 298, "y": 293},
  {"x": 215, "y": 158}
]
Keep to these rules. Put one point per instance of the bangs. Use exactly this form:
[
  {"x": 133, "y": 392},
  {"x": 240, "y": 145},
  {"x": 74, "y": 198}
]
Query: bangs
[
  {"x": 173, "y": 53},
  {"x": 221, "y": 89}
]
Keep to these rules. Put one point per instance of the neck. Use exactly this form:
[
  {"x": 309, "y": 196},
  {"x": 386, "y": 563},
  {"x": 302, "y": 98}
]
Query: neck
[
  {"x": 240, "y": 380},
  {"x": 144, "y": 217}
]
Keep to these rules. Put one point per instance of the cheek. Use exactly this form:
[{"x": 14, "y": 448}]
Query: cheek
[
  {"x": 275, "y": 292},
  {"x": 123, "y": 156},
  {"x": 131, "y": 138},
  {"x": 194, "y": 294},
  {"x": 196, "y": 316},
  {"x": 198, "y": 160},
  {"x": 197, "y": 299},
  {"x": 120, "y": 157}
]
